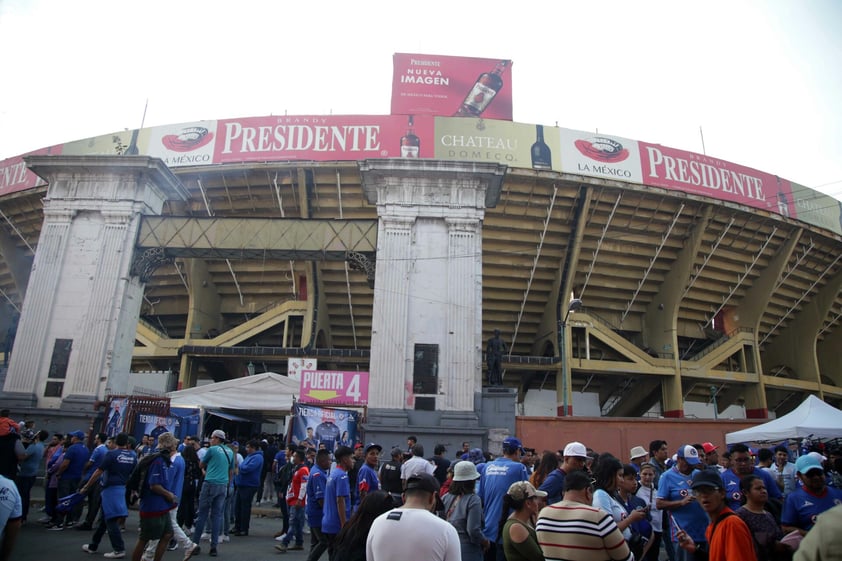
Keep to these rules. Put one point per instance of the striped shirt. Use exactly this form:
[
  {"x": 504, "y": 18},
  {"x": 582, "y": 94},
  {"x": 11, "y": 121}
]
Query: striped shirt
[{"x": 572, "y": 531}]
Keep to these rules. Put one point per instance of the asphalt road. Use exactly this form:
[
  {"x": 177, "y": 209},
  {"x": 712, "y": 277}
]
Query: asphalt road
[{"x": 36, "y": 543}]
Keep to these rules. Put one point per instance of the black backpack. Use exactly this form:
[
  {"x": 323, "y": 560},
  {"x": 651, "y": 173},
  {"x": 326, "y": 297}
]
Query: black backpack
[{"x": 138, "y": 476}]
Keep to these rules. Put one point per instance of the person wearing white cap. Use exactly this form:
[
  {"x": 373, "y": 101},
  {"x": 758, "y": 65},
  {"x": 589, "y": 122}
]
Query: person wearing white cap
[
  {"x": 463, "y": 509},
  {"x": 807, "y": 502},
  {"x": 676, "y": 496},
  {"x": 574, "y": 457},
  {"x": 218, "y": 464}
]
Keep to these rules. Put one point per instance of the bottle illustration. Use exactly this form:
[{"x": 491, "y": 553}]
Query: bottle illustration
[
  {"x": 410, "y": 143},
  {"x": 483, "y": 92},
  {"x": 783, "y": 200},
  {"x": 542, "y": 157},
  {"x": 132, "y": 150}
]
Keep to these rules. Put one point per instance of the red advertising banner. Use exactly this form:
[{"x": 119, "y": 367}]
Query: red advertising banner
[
  {"x": 450, "y": 86},
  {"x": 712, "y": 177},
  {"x": 323, "y": 138},
  {"x": 14, "y": 176}
]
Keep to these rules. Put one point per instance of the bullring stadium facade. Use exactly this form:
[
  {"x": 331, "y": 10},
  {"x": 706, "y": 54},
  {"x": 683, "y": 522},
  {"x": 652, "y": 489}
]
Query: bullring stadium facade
[{"x": 218, "y": 248}]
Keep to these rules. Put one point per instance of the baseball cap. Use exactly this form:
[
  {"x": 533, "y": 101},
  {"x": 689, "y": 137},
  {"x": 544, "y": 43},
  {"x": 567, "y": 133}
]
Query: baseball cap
[
  {"x": 522, "y": 490},
  {"x": 689, "y": 453},
  {"x": 220, "y": 434},
  {"x": 707, "y": 478},
  {"x": 637, "y": 452},
  {"x": 576, "y": 450},
  {"x": 806, "y": 463},
  {"x": 396, "y": 452},
  {"x": 373, "y": 445},
  {"x": 358, "y": 445},
  {"x": 708, "y": 447},
  {"x": 78, "y": 434},
  {"x": 465, "y": 471},
  {"x": 512, "y": 443},
  {"x": 423, "y": 482}
]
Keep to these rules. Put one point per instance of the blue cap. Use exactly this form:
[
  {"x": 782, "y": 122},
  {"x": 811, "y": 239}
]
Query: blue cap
[
  {"x": 806, "y": 463},
  {"x": 512, "y": 444},
  {"x": 690, "y": 454},
  {"x": 78, "y": 434}
]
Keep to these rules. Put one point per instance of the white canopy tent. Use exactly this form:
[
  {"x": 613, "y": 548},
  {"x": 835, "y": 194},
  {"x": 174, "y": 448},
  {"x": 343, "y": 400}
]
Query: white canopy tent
[
  {"x": 267, "y": 392},
  {"x": 813, "y": 418}
]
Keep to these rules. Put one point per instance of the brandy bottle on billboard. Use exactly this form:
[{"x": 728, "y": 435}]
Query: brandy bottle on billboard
[
  {"x": 410, "y": 144},
  {"x": 483, "y": 92},
  {"x": 542, "y": 157}
]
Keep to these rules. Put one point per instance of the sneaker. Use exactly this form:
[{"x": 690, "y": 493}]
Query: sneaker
[
  {"x": 205, "y": 537},
  {"x": 115, "y": 555},
  {"x": 70, "y": 524},
  {"x": 297, "y": 546},
  {"x": 225, "y": 538},
  {"x": 212, "y": 552},
  {"x": 88, "y": 548},
  {"x": 56, "y": 528},
  {"x": 279, "y": 536},
  {"x": 194, "y": 549},
  {"x": 282, "y": 547},
  {"x": 172, "y": 546},
  {"x": 45, "y": 520}
]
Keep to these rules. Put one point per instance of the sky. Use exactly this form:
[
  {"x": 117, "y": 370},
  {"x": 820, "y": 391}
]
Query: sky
[{"x": 760, "y": 81}]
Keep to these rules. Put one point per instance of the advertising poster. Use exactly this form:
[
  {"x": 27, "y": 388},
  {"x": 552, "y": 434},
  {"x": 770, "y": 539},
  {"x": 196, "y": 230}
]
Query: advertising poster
[
  {"x": 451, "y": 86},
  {"x": 600, "y": 155},
  {"x": 711, "y": 177},
  {"x": 322, "y": 427},
  {"x": 186, "y": 144},
  {"x": 188, "y": 421},
  {"x": 124, "y": 142},
  {"x": 322, "y": 138},
  {"x": 155, "y": 426},
  {"x": 817, "y": 208},
  {"x": 15, "y": 176},
  {"x": 334, "y": 387},
  {"x": 116, "y": 419},
  {"x": 296, "y": 365},
  {"x": 502, "y": 142}
]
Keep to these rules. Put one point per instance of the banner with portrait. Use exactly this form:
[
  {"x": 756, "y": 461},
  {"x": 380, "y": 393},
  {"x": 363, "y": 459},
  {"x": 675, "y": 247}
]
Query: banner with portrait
[{"x": 323, "y": 427}]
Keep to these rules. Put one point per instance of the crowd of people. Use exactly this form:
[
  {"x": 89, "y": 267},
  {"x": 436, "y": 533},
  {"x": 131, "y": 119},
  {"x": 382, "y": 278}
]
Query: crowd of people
[{"x": 684, "y": 503}]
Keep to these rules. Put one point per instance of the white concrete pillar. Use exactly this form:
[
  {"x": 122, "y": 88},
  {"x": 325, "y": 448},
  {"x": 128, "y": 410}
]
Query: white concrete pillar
[
  {"x": 428, "y": 280},
  {"x": 82, "y": 287}
]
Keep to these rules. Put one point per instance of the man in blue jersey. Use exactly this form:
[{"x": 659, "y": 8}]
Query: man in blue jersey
[
  {"x": 676, "y": 496},
  {"x": 91, "y": 466},
  {"x": 111, "y": 476},
  {"x": 574, "y": 457},
  {"x": 741, "y": 466},
  {"x": 808, "y": 501},
  {"x": 69, "y": 476},
  {"x": 337, "y": 504},
  {"x": 367, "y": 480},
  {"x": 316, "y": 484},
  {"x": 156, "y": 502},
  {"x": 497, "y": 477}
]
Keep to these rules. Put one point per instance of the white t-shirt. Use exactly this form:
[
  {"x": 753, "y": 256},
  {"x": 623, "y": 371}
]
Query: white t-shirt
[
  {"x": 412, "y": 533},
  {"x": 11, "y": 505},
  {"x": 416, "y": 465}
]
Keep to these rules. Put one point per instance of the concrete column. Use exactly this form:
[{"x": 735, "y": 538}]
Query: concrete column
[
  {"x": 83, "y": 287},
  {"x": 428, "y": 280},
  {"x": 463, "y": 372},
  {"x": 393, "y": 361}
]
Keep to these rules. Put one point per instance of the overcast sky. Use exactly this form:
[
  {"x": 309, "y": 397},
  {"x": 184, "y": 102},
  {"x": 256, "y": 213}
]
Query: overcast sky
[{"x": 762, "y": 78}]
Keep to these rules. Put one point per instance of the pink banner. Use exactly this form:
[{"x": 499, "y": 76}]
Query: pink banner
[
  {"x": 712, "y": 177},
  {"x": 323, "y": 138},
  {"x": 334, "y": 387},
  {"x": 450, "y": 86},
  {"x": 14, "y": 176}
]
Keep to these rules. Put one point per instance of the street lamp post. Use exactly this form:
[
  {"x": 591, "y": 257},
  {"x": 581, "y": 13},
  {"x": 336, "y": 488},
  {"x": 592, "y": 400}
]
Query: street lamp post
[
  {"x": 572, "y": 306},
  {"x": 250, "y": 368}
]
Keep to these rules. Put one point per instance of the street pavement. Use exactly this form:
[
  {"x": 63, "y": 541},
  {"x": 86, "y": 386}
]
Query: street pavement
[{"x": 36, "y": 543}]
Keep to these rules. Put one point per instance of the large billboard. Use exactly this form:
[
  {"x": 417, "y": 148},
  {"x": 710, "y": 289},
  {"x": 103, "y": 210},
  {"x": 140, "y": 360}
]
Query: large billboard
[
  {"x": 519, "y": 145},
  {"x": 452, "y": 86}
]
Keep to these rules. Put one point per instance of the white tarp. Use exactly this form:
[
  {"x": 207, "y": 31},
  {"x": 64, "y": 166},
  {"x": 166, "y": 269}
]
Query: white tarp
[
  {"x": 813, "y": 417},
  {"x": 261, "y": 392}
]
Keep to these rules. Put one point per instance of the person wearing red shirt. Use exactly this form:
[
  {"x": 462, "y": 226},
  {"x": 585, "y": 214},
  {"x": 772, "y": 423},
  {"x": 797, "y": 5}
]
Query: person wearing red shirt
[{"x": 297, "y": 501}]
